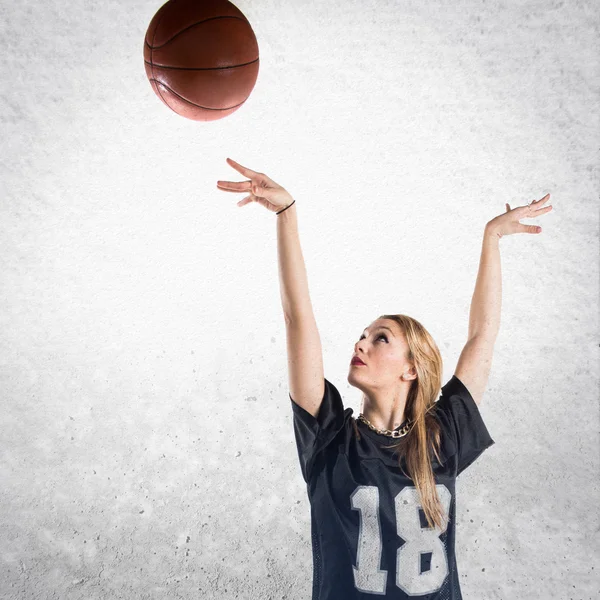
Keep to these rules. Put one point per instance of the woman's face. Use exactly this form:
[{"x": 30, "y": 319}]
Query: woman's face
[{"x": 383, "y": 350}]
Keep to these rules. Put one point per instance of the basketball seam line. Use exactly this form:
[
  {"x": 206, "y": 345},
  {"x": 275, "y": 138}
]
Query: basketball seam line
[
  {"x": 152, "y": 66},
  {"x": 188, "y": 27},
  {"x": 190, "y": 102},
  {"x": 199, "y": 68}
]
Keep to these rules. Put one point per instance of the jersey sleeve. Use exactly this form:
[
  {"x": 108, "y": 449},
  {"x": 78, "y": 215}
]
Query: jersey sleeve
[
  {"x": 461, "y": 418},
  {"x": 312, "y": 434}
]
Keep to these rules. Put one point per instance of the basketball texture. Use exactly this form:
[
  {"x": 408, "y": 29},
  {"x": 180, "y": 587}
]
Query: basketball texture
[{"x": 201, "y": 58}]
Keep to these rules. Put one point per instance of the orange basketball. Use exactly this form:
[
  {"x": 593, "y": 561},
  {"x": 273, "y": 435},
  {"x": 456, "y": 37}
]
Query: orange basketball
[{"x": 201, "y": 58}]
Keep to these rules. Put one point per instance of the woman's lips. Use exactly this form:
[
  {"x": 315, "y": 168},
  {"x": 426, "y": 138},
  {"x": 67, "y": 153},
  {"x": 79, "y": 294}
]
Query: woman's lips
[{"x": 357, "y": 364}]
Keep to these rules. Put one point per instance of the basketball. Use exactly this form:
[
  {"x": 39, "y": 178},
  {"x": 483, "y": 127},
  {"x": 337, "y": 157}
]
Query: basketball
[{"x": 201, "y": 58}]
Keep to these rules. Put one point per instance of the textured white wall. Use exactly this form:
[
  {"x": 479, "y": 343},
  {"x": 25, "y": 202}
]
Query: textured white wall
[{"x": 147, "y": 446}]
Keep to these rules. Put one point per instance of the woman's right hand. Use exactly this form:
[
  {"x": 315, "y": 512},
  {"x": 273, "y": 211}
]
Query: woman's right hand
[{"x": 262, "y": 189}]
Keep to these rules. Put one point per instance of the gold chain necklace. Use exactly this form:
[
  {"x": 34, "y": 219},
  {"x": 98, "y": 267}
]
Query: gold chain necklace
[{"x": 397, "y": 433}]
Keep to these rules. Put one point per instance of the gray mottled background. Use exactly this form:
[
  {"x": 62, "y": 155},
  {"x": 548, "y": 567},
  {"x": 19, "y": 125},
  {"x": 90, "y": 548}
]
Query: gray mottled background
[{"x": 146, "y": 445}]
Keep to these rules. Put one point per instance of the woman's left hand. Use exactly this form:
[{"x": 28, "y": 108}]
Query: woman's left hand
[{"x": 508, "y": 222}]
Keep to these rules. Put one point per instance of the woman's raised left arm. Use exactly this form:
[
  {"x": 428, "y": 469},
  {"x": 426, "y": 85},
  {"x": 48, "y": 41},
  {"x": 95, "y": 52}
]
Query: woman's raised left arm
[
  {"x": 475, "y": 360},
  {"x": 484, "y": 316}
]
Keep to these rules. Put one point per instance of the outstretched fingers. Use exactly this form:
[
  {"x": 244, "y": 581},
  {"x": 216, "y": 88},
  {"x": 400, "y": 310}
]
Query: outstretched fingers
[
  {"x": 539, "y": 202},
  {"x": 243, "y": 170},
  {"x": 234, "y": 186}
]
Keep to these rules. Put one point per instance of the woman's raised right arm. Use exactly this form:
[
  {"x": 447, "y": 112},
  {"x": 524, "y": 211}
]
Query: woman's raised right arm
[
  {"x": 305, "y": 357},
  {"x": 304, "y": 352}
]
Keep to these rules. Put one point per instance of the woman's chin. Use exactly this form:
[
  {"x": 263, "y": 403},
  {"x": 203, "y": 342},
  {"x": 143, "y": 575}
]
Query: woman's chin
[{"x": 352, "y": 375}]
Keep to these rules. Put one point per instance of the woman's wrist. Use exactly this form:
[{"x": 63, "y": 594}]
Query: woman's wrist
[{"x": 279, "y": 212}]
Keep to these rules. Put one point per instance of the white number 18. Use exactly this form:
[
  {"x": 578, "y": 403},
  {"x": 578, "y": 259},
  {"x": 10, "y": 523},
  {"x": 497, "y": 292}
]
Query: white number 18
[{"x": 368, "y": 577}]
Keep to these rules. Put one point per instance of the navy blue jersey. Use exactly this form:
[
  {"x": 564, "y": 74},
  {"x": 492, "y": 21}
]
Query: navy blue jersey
[{"x": 370, "y": 537}]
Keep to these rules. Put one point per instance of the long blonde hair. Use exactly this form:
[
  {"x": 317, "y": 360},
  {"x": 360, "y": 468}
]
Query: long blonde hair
[{"x": 423, "y": 436}]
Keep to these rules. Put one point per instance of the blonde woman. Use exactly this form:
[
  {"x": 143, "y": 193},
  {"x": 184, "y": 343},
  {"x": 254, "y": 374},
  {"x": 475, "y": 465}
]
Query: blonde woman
[{"x": 382, "y": 486}]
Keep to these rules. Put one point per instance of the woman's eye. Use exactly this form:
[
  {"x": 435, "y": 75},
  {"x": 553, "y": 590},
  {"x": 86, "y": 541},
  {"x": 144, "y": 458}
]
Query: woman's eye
[{"x": 381, "y": 335}]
